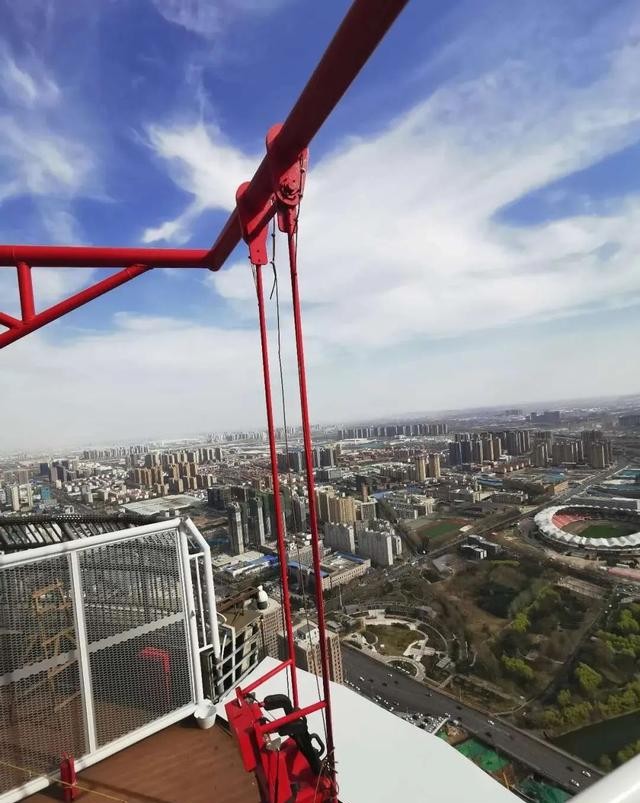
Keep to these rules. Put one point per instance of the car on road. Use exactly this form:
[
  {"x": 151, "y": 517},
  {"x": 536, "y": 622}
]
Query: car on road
[
  {"x": 586, "y": 774},
  {"x": 575, "y": 783},
  {"x": 491, "y": 722}
]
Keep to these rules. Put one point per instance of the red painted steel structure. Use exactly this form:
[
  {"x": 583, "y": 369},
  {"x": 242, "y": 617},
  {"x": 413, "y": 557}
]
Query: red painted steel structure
[
  {"x": 276, "y": 187},
  {"x": 364, "y": 26},
  {"x": 277, "y": 503}
]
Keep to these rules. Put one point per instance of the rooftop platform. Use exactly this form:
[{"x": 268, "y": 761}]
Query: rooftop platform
[
  {"x": 181, "y": 764},
  {"x": 381, "y": 757}
]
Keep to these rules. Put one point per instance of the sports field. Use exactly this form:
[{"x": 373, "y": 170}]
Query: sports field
[
  {"x": 606, "y": 530},
  {"x": 440, "y": 529},
  {"x": 601, "y": 529}
]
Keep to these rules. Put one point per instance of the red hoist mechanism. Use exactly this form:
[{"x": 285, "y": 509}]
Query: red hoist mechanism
[{"x": 289, "y": 763}]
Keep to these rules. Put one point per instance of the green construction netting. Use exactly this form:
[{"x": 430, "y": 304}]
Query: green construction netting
[
  {"x": 483, "y": 756},
  {"x": 543, "y": 792}
]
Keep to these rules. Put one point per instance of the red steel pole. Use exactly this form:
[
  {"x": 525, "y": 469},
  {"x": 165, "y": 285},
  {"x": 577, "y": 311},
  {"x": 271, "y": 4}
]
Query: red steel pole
[
  {"x": 25, "y": 287},
  {"x": 277, "y": 505},
  {"x": 313, "y": 520},
  {"x": 71, "y": 303}
]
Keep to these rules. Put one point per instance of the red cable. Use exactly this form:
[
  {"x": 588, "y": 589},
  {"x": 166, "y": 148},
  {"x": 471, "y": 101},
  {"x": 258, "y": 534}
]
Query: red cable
[
  {"x": 313, "y": 520},
  {"x": 282, "y": 550}
]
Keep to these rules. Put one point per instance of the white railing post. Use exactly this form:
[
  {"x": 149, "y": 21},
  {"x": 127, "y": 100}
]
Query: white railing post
[
  {"x": 191, "y": 624},
  {"x": 208, "y": 582},
  {"x": 82, "y": 647}
]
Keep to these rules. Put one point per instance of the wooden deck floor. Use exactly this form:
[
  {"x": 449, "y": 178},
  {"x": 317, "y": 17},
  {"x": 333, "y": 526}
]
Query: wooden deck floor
[{"x": 181, "y": 764}]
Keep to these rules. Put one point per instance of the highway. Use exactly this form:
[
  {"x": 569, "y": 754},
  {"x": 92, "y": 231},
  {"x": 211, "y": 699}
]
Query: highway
[{"x": 405, "y": 694}]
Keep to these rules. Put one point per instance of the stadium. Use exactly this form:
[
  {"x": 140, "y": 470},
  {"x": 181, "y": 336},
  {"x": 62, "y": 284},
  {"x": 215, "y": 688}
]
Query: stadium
[{"x": 591, "y": 528}]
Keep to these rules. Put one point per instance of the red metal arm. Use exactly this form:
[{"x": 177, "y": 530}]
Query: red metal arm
[{"x": 355, "y": 40}]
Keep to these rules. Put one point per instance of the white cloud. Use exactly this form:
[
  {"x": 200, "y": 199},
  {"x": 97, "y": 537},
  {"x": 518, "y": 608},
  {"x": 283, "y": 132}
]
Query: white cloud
[
  {"x": 208, "y": 18},
  {"x": 204, "y": 165},
  {"x": 400, "y": 233},
  {"x": 39, "y": 156},
  {"x": 164, "y": 377},
  {"x": 28, "y": 88}
]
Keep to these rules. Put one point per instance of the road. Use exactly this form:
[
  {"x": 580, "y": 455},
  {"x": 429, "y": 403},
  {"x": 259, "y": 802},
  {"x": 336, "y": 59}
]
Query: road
[{"x": 406, "y": 694}]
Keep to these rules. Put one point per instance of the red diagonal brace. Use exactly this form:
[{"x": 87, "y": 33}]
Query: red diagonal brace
[{"x": 21, "y": 328}]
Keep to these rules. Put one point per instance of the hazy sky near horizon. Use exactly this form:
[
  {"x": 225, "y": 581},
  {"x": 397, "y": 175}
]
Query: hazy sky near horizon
[{"x": 470, "y": 232}]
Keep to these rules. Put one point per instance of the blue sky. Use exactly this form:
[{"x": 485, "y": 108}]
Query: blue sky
[{"x": 469, "y": 233}]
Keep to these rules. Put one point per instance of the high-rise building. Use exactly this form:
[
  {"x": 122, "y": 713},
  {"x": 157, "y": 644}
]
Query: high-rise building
[
  {"x": 342, "y": 509},
  {"x": 257, "y": 533},
  {"x": 22, "y": 476},
  {"x": 86, "y": 495},
  {"x": 236, "y": 534},
  {"x": 476, "y": 451},
  {"x": 13, "y": 497},
  {"x": 420, "y": 466},
  {"x": 323, "y": 499},
  {"x": 377, "y": 545},
  {"x": 340, "y": 537},
  {"x": 307, "y": 650},
  {"x": 540, "y": 455},
  {"x": 299, "y": 513},
  {"x": 434, "y": 466},
  {"x": 497, "y": 447},
  {"x": 597, "y": 455},
  {"x": 487, "y": 447},
  {"x": 365, "y": 511},
  {"x": 455, "y": 453}
]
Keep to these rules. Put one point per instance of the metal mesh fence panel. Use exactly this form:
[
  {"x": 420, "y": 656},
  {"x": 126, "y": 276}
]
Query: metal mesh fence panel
[
  {"x": 137, "y": 643},
  {"x": 40, "y": 707}
]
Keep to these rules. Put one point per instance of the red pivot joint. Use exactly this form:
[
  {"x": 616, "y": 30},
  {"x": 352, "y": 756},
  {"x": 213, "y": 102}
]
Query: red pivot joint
[
  {"x": 253, "y": 225},
  {"x": 287, "y": 180}
]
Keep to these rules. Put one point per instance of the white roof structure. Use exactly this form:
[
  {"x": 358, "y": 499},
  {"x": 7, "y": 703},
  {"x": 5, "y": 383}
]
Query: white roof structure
[
  {"x": 550, "y": 529},
  {"x": 380, "y": 756}
]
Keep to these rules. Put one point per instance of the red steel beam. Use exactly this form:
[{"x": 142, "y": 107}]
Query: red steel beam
[
  {"x": 361, "y": 31},
  {"x": 67, "y": 256},
  {"x": 73, "y": 302}
]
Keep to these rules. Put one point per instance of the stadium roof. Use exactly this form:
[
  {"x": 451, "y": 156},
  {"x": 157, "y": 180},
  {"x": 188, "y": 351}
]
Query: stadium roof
[
  {"x": 382, "y": 757},
  {"x": 545, "y": 523}
]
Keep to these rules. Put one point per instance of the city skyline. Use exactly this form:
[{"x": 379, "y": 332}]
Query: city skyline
[
  {"x": 488, "y": 252},
  {"x": 161, "y": 440}
]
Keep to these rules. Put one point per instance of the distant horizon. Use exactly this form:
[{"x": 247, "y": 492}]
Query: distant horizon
[{"x": 527, "y": 407}]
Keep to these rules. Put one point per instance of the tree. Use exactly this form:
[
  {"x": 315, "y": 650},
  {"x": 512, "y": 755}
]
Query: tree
[
  {"x": 626, "y": 623},
  {"x": 587, "y": 678},
  {"x": 521, "y": 623},
  {"x": 551, "y": 718},
  {"x": 517, "y": 667},
  {"x": 605, "y": 762},
  {"x": 578, "y": 714},
  {"x": 564, "y": 698}
]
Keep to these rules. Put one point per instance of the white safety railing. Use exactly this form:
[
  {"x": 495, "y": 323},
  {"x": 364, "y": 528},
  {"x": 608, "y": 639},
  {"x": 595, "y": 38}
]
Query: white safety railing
[{"x": 102, "y": 641}]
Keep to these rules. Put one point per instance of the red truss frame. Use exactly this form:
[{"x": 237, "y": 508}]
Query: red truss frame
[{"x": 276, "y": 188}]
